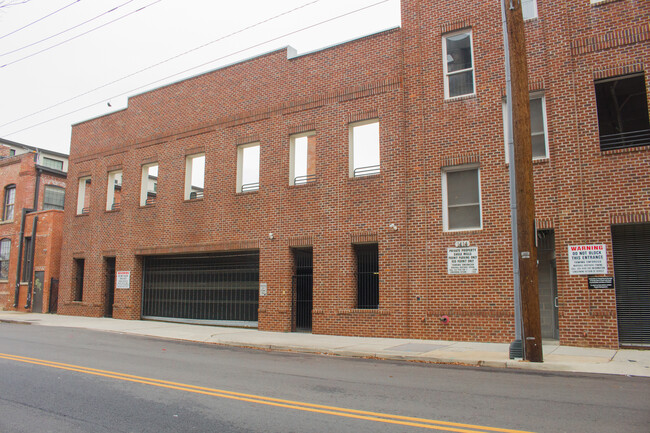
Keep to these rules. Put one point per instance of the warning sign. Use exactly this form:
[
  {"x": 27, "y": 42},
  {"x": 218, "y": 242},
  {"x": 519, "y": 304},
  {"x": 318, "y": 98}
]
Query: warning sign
[
  {"x": 462, "y": 260},
  {"x": 123, "y": 279},
  {"x": 587, "y": 260}
]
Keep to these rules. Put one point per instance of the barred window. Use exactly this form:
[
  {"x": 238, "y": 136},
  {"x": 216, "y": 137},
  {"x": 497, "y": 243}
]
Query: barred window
[
  {"x": 5, "y": 250},
  {"x": 53, "y": 197}
]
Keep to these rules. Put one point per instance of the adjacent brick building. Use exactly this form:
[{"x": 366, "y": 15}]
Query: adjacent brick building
[
  {"x": 31, "y": 224},
  {"x": 363, "y": 189}
]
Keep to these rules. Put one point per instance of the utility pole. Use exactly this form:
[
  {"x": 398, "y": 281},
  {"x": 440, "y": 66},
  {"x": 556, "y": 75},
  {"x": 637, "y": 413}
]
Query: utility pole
[{"x": 522, "y": 159}]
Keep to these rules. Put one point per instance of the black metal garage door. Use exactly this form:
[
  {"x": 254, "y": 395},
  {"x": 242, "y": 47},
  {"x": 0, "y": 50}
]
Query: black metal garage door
[
  {"x": 219, "y": 288},
  {"x": 631, "y": 245}
]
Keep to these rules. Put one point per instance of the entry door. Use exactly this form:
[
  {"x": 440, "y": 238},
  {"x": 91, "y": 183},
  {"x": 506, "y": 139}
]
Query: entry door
[
  {"x": 631, "y": 244},
  {"x": 302, "y": 289},
  {"x": 110, "y": 286},
  {"x": 37, "y": 300},
  {"x": 547, "y": 284}
]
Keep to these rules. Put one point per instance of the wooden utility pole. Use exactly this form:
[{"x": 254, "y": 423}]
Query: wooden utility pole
[{"x": 523, "y": 161}]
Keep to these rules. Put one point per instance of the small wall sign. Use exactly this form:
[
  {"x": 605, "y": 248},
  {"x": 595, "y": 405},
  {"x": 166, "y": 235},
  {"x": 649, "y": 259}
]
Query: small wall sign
[
  {"x": 123, "y": 280},
  {"x": 263, "y": 289},
  {"x": 601, "y": 282},
  {"x": 462, "y": 260}
]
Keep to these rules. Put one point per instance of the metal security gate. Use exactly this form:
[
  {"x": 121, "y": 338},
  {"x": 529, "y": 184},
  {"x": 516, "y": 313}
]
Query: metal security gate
[
  {"x": 303, "y": 281},
  {"x": 215, "y": 288},
  {"x": 631, "y": 244}
]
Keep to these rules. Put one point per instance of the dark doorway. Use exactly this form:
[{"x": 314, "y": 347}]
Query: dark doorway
[
  {"x": 37, "y": 297},
  {"x": 303, "y": 283},
  {"x": 547, "y": 284},
  {"x": 110, "y": 286},
  {"x": 631, "y": 245}
]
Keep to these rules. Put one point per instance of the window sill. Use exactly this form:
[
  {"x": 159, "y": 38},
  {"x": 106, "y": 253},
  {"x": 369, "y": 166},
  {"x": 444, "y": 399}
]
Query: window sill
[
  {"x": 192, "y": 200},
  {"x": 370, "y": 176},
  {"x": 537, "y": 161},
  {"x": 242, "y": 193},
  {"x": 602, "y": 2},
  {"x": 112, "y": 211},
  {"x": 6, "y": 222},
  {"x": 475, "y": 230},
  {"x": 82, "y": 214},
  {"x": 303, "y": 185},
  {"x": 4, "y": 281},
  {"x": 461, "y": 98},
  {"x": 146, "y": 206}
]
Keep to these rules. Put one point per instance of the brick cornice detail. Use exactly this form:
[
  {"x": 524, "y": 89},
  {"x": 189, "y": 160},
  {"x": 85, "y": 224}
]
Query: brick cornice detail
[
  {"x": 612, "y": 39},
  {"x": 450, "y": 161},
  {"x": 615, "y": 71},
  {"x": 301, "y": 241},
  {"x": 452, "y": 26},
  {"x": 544, "y": 223},
  {"x": 363, "y": 238}
]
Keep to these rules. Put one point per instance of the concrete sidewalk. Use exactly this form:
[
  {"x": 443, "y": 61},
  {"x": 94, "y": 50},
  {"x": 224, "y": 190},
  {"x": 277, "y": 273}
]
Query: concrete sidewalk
[{"x": 556, "y": 358}]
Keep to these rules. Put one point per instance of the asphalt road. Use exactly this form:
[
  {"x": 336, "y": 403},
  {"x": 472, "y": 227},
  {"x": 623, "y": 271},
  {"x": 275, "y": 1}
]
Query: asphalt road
[{"x": 73, "y": 380}]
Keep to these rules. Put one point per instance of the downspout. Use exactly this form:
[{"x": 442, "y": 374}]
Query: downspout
[
  {"x": 32, "y": 253},
  {"x": 21, "y": 239}
]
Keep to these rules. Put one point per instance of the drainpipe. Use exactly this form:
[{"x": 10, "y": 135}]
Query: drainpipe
[
  {"x": 21, "y": 239},
  {"x": 32, "y": 253}
]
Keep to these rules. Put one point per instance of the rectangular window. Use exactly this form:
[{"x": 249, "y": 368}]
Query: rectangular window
[
  {"x": 461, "y": 198},
  {"x": 248, "y": 167},
  {"x": 302, "y": 156},
  {"x": 52, "y": 163},
  {"x": 5, "y": 251},
  {"x": 114, "y": 190},
  {"x": 364, "y": 148},
  {"x": 194, "y": 176},
  {"x": 53, "y": 197},
  {"x": 149, "y": 184},
  {"x": 27, "y": 260},
  {"x": 78, "y": 282},
  {"x": 367, "y": 256},
  {"x": 622, "y": 106},
  {"x": 529, "y": 9},
  {"x": 12, "y": 152},
  {"x": 539, "y": 137},
  {"x": 83, "y": 196},
  {"x": 9, "y": 202},
  {"x": 458, "y": 64}
]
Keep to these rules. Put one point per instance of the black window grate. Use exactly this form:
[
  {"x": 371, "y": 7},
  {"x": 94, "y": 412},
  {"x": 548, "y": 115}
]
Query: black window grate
[{"x": 367, "y": 275}]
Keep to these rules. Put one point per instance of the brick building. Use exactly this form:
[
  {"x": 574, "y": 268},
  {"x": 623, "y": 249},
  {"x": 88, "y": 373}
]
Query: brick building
[
  {"x": 363, "y": 189},
  {"x": 31, "y": 225}
]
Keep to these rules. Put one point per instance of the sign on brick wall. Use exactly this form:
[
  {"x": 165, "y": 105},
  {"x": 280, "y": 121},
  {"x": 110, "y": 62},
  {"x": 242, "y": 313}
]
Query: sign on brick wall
[
  {"x": 462, "y": 260},
  {"x": 587, "y": 259},
  {"x": 123, "y": 279}
]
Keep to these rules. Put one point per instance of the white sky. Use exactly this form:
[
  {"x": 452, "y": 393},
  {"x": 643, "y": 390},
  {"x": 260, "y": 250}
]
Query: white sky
[{"x": 163, "y": 29}]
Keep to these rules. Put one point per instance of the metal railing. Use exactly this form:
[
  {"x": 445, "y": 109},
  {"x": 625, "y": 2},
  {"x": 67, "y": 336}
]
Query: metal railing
[
  {"x": 301, "y": 180},
  {"x": 624, "y": 140},
  {"x": 85, "y": 210},
  {"x": 116, "y": 206},
  {"x": 196, "y": 194},
  {"x": 366, "y": 171},
  {"x": 250, "y": 187}
]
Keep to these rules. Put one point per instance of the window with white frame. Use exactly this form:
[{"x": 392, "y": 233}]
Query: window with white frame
[
  {"x": 5, "y": 251},
  {"x": 114, "y": 190},
  {"x": 194, "y": 176},
  {"x": 538, "y": 129},
  {"x": 364, "y": 148},
  {"x": 53, "y": 197},
  {"x": 302, "y": 157},
  {"x": 529, "y": 9},
  {"x": 458, "y": 64},
  {"x": 461, "y": 193},
  {"x": 8, "y": 203},
  {"x": 149, "y": 184},
  {"x": 83, "y": 196},
  {"x": 248, "y": 167}
]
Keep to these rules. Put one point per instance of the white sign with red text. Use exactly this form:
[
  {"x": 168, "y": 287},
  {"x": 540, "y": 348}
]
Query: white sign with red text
[
  {"x": 123, "y": 279},
  {"x": 587, "y": 259}
]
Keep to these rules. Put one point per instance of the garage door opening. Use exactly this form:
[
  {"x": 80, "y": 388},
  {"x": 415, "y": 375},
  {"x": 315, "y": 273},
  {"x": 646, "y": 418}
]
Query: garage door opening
[{"x": 219, "y": 288}]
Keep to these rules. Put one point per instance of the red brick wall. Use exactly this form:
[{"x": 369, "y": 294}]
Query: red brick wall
[{"x": 397, "y": 77}]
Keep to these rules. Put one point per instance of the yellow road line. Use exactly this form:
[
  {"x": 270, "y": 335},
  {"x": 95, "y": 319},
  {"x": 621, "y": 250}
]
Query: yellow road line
[{"x": 269, "y": 401}]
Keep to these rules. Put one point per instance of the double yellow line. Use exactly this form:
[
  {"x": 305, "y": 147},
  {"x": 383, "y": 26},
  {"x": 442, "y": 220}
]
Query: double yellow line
[{"x": 250, "y": 398}]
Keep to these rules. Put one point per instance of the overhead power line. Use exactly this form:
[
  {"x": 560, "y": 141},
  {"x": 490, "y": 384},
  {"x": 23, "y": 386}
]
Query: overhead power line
[
  {"x": 162, "y": 62},
  {"x": 81, "y": 34},
  {"x": 205, "y": 64},
  {"x": 66, "y": 30},
  {"x": 40, "y": 19}
]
